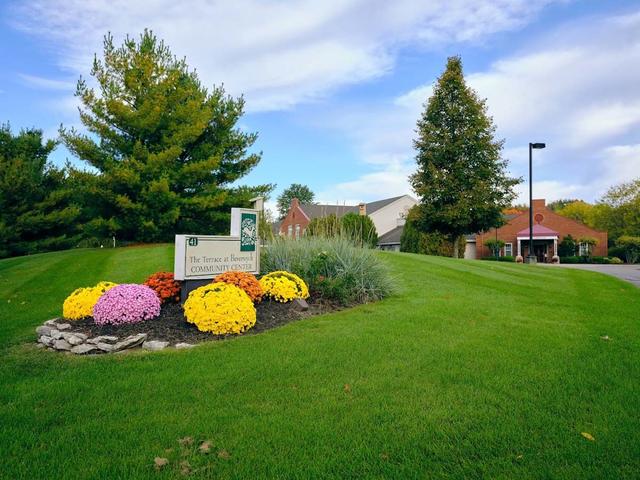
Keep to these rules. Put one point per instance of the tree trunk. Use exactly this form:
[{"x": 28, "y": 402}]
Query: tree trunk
[{"x": 456, "y": 244}]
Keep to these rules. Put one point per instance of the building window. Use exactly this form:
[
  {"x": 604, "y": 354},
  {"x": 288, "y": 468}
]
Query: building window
[
  {"x": 297, "y": 230},
  {"x": 583, "y": 249},
  {"x": 290, "y": 231},
  {"x": 508, "y": 249}
]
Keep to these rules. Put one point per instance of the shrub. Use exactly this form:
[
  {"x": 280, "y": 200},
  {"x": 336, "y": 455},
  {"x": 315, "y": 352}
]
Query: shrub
[
  {"x": 126, "y": 303},
  {"x": 495, "y": 245},
  {"x": 220, "y": 308},
  {"x": 246, "y": 281},
  {"x": 333, "y": 268},
  {"x": 631, "y": 247},
  {"x": 167, "y": 289},
  {"x": 572, "y": 259},
  {"x": 567, "y": 247},
  {"x": 505, "y": 258},
  {"x": 80, "y": 303},
  {"x": 284, "y": 286}
]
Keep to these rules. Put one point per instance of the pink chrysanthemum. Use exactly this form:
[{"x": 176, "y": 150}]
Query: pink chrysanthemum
[{"x": 126, "y": 303}]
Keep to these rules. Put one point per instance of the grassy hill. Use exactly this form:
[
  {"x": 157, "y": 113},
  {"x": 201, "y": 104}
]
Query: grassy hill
[{"x": 475, "y": 369}]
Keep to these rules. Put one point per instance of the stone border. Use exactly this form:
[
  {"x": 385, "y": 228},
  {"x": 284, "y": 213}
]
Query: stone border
[{"x": 54, "y": 335}]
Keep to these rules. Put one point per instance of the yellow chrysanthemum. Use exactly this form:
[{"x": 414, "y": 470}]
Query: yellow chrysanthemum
[
  {"x": 220, "y": 308},
  {"x": 284, "y": 286},
  {"x": 80, "y": 303}
]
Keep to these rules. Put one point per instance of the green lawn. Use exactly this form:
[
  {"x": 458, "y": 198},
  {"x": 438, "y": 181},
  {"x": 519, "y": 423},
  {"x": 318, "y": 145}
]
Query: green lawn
[{"x": 474, "y": 370}]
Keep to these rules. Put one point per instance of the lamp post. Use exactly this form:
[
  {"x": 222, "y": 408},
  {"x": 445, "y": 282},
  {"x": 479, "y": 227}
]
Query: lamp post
[{"x": 531, "y": 258}]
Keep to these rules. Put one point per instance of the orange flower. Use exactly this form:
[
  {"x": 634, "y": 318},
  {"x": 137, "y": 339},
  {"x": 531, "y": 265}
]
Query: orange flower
[{"x": 247, "y": 282}]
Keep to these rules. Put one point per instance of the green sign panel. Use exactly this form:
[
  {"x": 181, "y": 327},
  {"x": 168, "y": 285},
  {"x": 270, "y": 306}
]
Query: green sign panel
[{"x": 248, "y": 232}]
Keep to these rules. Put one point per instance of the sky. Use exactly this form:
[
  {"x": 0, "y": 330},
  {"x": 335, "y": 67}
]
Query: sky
[{"x": 334, "y": 88}]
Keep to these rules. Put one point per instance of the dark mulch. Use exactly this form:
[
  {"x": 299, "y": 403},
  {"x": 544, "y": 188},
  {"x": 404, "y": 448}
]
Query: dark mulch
[{"x": 171, "y": 325}]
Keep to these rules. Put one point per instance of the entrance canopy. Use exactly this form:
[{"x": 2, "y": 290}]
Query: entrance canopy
[
  {"x": 538, "y": 231},
  {"x": 541, "y": 234}
]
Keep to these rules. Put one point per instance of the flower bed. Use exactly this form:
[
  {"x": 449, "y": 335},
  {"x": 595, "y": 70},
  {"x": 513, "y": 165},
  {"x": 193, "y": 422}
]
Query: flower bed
[{"x": 127, "y": 303}]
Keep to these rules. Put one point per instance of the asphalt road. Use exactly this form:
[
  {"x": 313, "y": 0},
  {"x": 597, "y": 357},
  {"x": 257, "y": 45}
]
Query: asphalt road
[{"x": 630, "y": 273}]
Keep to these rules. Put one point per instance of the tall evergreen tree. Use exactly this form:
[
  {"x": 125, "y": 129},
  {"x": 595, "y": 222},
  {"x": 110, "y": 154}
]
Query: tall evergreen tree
[
  {"x": 166, "y": 149},
  {"x": 37, "y": 209},
  {"x": 461, "y": 179}
]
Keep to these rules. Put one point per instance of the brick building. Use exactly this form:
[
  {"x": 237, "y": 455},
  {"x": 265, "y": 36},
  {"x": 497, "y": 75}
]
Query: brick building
[
  {"x": 388, "y": 215},
  {"x": 549, "y": 229}
]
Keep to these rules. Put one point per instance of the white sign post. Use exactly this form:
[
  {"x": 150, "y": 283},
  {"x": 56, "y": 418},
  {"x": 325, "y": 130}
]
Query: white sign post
[{"x": 199, "y": 258}]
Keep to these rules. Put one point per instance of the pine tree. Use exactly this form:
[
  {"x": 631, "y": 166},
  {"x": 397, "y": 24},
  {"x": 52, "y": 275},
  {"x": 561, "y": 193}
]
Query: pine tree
[
  {"x": 37, "y": 208},
  {"x": 165, "y": 148},
  {"x": 460, "y": 179}
]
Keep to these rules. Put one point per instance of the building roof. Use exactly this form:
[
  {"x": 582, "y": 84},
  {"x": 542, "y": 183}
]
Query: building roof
[
  {"x": 392, "y": 237},
  {"x": 378, "y": 204},
  {"x": 315, "y": 210},
  {"x": 538, "y": 231}
]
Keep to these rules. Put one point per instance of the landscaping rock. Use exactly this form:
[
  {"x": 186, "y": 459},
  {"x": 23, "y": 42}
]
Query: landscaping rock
[
  {"x": 44, "y": 330},
  {"x": 52, "y": 323},
  {"x": 83, "y": 349},
  {"x": 182, "y": 345},
  {"x": 130, "y": 342},
  {"x": 154, "y": 345},
  {"x": 61, "y": 345},
  {"x": 103, "y": 339},
  {"x": 45, "y": 340},
  {"x": 300, "y": 304},
  {"x": 72, "y": 339},
  {"x": 55, "y": 334},
  {"x": 64, "y": 326},
  {"x": 105, "y": 347}
]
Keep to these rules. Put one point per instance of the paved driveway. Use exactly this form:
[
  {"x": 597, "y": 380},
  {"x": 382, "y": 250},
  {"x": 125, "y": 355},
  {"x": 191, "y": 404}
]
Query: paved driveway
[{"x": 630, "y": 273}]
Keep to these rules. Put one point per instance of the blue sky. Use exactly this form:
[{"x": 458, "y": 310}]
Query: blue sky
[{"x": 334, "y": 88}]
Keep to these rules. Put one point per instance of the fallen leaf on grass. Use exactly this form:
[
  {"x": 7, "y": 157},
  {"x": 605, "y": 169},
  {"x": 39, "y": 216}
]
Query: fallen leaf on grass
[
  {"x": 185, "y": 467},
  {"x": 519, "y": 457},
  {"x": 347, "y": 388},
  {"x": 224, "y": 454},
  {"x": 205, "y": 447},
  {"x": 588, "y": 436},
  {"x": 160, "y": 462},
  {"x": 384, "y": 456},
  {"x": 605, "y": 338},
  {"x": 185, "y": 441}
]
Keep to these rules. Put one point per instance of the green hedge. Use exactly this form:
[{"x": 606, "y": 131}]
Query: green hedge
[
  {"x": 506, "y": 258},
  {"x": 594, "y": 260}
]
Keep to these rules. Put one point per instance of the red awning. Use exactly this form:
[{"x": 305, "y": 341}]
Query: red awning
[{"x": 538, "y": 231}]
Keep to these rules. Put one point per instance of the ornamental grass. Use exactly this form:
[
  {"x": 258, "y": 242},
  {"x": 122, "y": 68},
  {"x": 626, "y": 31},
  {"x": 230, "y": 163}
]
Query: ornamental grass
[
  {"x": 125, "y": 304},
  {"x": 220, "y": 308},
  {"x": 80, "y": 303},
  {"x": 246, "y": 281},
  {"x": 333, "y": 268},
  {"x": 284, "y": 286},
  {"x": 163, "y": 283}
]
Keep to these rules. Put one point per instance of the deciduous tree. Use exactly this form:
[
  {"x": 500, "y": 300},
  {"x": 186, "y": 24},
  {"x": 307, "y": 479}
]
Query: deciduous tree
[
  {"x": 295, "y": 190},
  {"x": 461, "y": 177}
]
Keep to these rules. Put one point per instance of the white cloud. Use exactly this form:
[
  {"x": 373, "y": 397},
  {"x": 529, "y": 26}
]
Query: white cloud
[
  {"x": 389, "y": 182},
  {"x": 277, "y": 53},
  {"x": 47, "y": 83},
  {"x": 576, "y": 90}
]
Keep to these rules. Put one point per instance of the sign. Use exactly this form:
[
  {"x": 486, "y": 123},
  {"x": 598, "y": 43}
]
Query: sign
[{"x": 200, "y": 257}]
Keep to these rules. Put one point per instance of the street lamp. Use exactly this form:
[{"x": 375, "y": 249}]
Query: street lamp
[{"x": 531, "y": 258}]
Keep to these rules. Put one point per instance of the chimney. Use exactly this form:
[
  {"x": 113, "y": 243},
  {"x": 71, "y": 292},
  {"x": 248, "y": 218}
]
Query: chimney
[
  {"x": 295, "y": 203},
  {"x": 538, "y": 203},
  {"x": 362, "y": 208}
]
